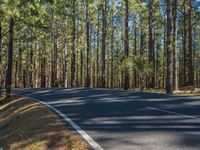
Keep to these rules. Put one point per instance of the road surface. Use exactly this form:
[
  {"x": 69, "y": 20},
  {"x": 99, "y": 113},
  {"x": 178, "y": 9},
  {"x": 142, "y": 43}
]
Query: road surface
[{"x": 125, "y": 120}]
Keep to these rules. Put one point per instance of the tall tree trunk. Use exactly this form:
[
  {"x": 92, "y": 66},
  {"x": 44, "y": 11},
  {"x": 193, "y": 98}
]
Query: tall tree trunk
[
  {"x": 24, "y": 78},
  {"x": 151, "y": 59},
  {"x": 64, "y": 84},
  {"x": 77, "y": 55},
  {"x": 81, "y": 68},
  {"x": 190, "y": 48},
  {"x": 103, "y": 50},
  {"x": 43, "y": 76},
  {"x": 126, "y": 44},
  {"x": 175, "y": 85},
  {"x": 185, "y": 80},
  {"x": 87, "y": 83},
  {"x": 8, "y": 82},
  {"x": 135, "y": 53},
  {"x": 142, "y": 78},
  {"x": 31, "y": 64},
  {"x": 16, "y": 72},
  {"x": 164, "y": 55},
  {"x": 97, "y": 54},
  {"x": 73, "y": 57},
  {"x": 112, "y": 45},
  {"x": 55, "y": 61},
  {"x": 1, "y": 66},
  {"x": 169, "y": 81},
  {"x": 43, "y": 67}
]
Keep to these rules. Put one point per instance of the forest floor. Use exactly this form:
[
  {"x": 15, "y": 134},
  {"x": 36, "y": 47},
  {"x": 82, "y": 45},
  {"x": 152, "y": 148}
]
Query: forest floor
[
  {"x": 185, "y": 91},
  {"x": 28, "y": 125}
]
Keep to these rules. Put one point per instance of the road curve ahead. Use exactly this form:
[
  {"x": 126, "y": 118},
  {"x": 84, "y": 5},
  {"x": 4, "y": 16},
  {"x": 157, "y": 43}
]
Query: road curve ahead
[{"x": 122, "y": 120}]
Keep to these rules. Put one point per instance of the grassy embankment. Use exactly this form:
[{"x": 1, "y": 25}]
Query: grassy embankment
[{"x": 27, "y": 125}]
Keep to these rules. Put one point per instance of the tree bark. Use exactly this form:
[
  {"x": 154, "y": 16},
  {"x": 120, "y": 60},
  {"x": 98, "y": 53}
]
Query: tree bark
[
  {"x": 175, "y": 85},
  {"x": 43, "y": 76},
  {"x": 190, "y": 48},
  {"x": 151, "y": 59},
  {"x": 169, "y": 81},
  {"x": 126, "y": 44},
  {"x": 73, "y": 57},
  {"x": 112, "y": 46},
  {"x": 97, "y": 54},
  {"x": 31, "y": 64},
  {"x": 1, "y": 66},
  {"x": 103, "y": 50},
  {"x": 88, "y": 78},
  {"x": 8, "y": 82}
]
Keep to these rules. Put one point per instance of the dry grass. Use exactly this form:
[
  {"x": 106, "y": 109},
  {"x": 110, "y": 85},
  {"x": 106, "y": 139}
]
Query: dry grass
[
  {"x": 184, "y": 91},
  {"x": 27, "y": 125},
  {"x": 188, "y": 91}
]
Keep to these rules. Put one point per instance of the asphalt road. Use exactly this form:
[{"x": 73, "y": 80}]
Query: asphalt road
[{"x": 121, "y": 120}]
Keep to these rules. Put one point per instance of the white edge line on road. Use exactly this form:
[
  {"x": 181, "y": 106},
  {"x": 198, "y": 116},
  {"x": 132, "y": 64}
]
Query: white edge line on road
[
  {"x": 92, "y": 143},
  {"x": 174, "y": 113}
]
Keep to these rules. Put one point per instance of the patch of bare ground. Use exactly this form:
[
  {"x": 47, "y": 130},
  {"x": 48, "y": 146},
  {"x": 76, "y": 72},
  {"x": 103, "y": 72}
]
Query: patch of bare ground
[
  {"x": 188, "y": 91},
  {"x": 28, "y": 125},
  {"x": 183, "y": 91}
]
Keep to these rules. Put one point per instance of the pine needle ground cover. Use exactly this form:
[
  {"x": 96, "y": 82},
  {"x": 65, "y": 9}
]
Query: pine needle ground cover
[{"x": 27, "y": 125}]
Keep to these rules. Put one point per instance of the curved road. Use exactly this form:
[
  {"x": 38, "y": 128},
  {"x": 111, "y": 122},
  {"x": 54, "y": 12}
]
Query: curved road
[{"x": 122, "y": 120}]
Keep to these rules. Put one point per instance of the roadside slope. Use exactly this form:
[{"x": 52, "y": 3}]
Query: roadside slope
[{"x": 25, "y": 124}]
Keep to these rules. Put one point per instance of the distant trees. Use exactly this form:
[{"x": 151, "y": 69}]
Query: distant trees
[{"x": 104, "y": 43}]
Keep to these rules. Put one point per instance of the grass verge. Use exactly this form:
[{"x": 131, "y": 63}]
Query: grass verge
[{"x": 28, "y": 125}]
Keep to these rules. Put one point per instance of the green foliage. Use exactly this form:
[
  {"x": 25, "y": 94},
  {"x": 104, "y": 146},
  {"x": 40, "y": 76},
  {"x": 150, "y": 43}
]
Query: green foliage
[
  {"x": 142, "y": 65},
  {"x": 127, "y": 62},
  {"x": 50, "y": 22}
]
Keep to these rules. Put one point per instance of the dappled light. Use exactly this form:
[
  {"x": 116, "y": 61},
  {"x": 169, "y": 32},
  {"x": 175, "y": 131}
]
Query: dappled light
[
  {"x": 28, "y": 125},
  {"x": 117, "y": 118}
]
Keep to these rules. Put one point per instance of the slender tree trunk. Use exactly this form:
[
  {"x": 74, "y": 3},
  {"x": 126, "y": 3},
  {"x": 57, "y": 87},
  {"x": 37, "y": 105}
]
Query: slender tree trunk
[
  {"x": 81, "y": 68},
  {"x": 112, "y": 58},
  {"x": 55, "y": 60},
  {"x": 195, "y": 59},
  {"x": 175, "y": 86},
  {"x": 43, "y": 67},
  {"x": 151, "y": 58},
  {"x": 126, "y": 44},
  {"x": 77, "y": 55},
  {"x": 169, "y": 83},
  {"x": 31, "y": 65},
  {"x": 135, "y": 54},
  {"x": 103, "y": 50},
  {"x": 24, "y": 78},
  {"x": 182, "y": 61},
  {"x": 16, "y": 72},
  {"x": 65, "y": 64},
  {"x": 164, "y": 56},
  {"x": 97, "y": 54},
  {"x": 185, "y": 47},
  {"x": 112, "y": 45},
  {"x": 73, "y": 58},
  {"x": 142, "y": 78},
  {"x": 10, "y": 59},
  {"x": 1, "y": 66},
  {"x": 43, "y": 76},
  {"x": 87, "y": 83},
  {"x": 190, "y": 48}
]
